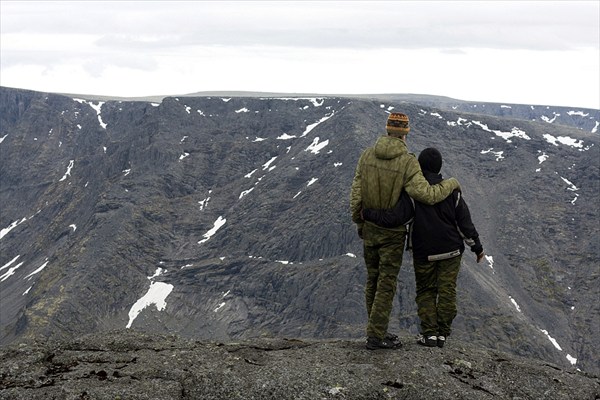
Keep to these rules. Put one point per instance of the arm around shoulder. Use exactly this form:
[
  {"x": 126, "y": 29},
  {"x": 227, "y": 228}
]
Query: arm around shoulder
[{"x": 419, "y": 189}]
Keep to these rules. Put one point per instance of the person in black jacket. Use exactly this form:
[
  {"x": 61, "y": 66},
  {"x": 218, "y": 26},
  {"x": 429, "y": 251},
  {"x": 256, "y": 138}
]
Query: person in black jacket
[{"x": 437, "y": 238}]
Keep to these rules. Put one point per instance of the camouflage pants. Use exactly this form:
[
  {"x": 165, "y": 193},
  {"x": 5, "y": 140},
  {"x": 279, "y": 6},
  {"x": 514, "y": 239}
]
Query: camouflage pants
[
  {"x": 383, "y": 251},
  {"x": 436, "y": 294}
]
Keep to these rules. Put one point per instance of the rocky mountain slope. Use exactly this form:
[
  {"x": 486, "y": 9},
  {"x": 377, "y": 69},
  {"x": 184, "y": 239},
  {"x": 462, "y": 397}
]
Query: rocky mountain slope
[
  {"x": 132, "y": 365},
  {"x": 226, "y": 218}
]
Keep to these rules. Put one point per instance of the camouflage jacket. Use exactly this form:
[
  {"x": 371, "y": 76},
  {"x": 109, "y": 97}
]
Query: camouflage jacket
[{"x": 384, "y": 170}]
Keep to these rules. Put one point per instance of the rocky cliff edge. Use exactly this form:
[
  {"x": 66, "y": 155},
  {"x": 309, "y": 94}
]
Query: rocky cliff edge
[{"x": 134, "y": 365}]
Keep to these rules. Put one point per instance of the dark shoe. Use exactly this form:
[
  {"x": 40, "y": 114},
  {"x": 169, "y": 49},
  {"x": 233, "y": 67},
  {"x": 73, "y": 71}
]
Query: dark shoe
[
  {"x": 392, "y": 337},
  {"x": 428, "y": 341},
  {"x": 441, "y": 341},
  {"x": 374, "y": 343}
]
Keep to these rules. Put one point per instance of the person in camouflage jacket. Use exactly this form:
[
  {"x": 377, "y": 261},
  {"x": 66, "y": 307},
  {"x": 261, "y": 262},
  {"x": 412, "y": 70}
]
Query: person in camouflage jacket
[{"x": 382, "y": 173}]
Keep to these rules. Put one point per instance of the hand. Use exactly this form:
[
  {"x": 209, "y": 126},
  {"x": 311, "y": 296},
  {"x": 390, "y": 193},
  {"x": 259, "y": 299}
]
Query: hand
[{"x": 480, "y": 257}]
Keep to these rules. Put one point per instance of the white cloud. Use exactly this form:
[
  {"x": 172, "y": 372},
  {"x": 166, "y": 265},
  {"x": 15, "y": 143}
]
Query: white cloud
[
  {"x": 531, "y": 52},
  {"x": 127, "y": 25}
]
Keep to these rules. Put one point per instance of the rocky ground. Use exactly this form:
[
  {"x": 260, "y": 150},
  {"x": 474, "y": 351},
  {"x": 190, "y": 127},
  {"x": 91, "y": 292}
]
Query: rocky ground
[{"x": 134, "y": 365}]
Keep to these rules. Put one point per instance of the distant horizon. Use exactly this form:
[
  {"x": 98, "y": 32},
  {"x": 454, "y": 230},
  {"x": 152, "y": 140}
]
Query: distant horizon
[{"x": 250, "y": 93}]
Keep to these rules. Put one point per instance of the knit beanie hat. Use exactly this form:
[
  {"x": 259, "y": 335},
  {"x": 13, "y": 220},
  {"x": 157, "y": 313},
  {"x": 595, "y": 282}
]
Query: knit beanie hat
[
  {"x": 397, "y": 123},
  {"x": 430, "y": 160}
]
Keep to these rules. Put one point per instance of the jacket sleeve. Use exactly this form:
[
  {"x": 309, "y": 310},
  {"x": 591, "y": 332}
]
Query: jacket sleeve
[
  {"x": 402, "y": 213},
  {"x": 465, "y": 225},
  {"x": 419, "y": 189},
  {"x": 383, "y": 217},
  {"x": 356, "y": 196}
]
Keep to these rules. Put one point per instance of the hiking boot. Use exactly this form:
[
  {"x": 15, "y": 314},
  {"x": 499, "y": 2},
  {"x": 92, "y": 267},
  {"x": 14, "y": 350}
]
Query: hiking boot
[
  {"x": 392, "y": 337},
  {"x": 374, "y": 343},
  {"x": 441, "y": 341},
  {"x": 428, "y": 341}
]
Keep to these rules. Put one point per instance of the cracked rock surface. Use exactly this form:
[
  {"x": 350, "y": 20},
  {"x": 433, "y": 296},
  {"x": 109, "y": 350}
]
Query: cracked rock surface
[{"x": 134, "y": 365}]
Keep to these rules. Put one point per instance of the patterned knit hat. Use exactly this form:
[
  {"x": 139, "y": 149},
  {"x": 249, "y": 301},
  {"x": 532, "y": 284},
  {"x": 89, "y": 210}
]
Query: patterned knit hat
[
  {"x": 397, "y": 123},
  {"x": 430, "y": 160}
]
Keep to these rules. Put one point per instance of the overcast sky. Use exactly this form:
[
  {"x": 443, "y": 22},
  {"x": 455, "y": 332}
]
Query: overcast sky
[{"x": 538, "y": 52}]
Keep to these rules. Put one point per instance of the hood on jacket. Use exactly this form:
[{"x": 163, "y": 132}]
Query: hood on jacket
[{"x": 388, "y": 147}]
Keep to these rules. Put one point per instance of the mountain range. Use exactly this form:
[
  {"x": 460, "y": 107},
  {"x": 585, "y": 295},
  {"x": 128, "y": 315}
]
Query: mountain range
[{"x": 223, "y": 216}]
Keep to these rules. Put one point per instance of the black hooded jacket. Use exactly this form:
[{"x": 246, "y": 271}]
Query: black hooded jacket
[{"x": 440, "y": 231}]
